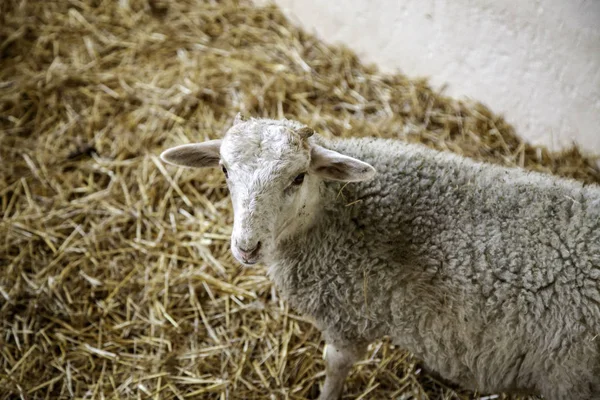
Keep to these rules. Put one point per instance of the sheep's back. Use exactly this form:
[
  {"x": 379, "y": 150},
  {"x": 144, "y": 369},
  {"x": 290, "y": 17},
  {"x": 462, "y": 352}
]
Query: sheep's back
[{"x": 491, "y": 262}]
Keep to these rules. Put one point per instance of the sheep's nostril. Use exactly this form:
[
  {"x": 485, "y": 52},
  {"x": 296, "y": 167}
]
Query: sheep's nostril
[
  {"x": 248, "y": 250},
  {"x": 256, "y": 249}
]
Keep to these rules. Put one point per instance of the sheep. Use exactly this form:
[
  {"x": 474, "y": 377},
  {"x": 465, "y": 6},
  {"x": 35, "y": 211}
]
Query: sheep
[{"x": 489, "y": 275}]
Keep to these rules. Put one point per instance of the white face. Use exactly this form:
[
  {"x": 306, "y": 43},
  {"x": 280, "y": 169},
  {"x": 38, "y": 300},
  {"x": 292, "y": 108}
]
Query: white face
[
  {"x": 273, "y": 175},
  {"x": 267, "y": 169}
]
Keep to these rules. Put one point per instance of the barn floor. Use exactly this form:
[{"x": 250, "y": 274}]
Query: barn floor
[{"x": 116, "y": 280}]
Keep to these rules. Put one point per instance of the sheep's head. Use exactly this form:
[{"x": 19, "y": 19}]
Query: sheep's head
[{"x": 274, "y": 175}]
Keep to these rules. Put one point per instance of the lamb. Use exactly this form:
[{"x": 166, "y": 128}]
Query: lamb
[{"x": 490, "y": 275}]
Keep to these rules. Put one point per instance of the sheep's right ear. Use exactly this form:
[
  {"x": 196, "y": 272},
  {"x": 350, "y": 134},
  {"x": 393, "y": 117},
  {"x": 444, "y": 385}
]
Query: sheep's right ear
[
  {"x": 197, "y": 155},
  {"x": 331, "y": 165}
]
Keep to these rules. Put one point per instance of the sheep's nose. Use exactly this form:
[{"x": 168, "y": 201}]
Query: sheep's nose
[{"x": 250, "y": 253}]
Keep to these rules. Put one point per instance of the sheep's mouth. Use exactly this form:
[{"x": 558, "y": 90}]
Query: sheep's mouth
[{"x": 246, "y": 261}]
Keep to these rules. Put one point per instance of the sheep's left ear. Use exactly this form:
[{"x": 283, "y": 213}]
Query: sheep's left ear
[
  {"x": 197, "y": 155},
  {"x": 331, "y": 165}
]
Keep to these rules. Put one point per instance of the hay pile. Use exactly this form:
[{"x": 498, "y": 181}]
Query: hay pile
[{"x": 116, "y": 280}]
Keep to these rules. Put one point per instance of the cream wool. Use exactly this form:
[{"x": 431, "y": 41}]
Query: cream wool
[{"x": 490, "y": 275}]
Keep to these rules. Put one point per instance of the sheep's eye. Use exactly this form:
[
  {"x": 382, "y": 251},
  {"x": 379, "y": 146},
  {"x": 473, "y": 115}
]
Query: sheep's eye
[
  {"x": 299, "y": 179},
  {"x": 225, "y": 171}
]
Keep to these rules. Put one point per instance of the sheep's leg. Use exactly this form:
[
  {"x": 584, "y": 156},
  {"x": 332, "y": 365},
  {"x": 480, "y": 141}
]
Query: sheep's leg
[{"x": 339, "y": 359}]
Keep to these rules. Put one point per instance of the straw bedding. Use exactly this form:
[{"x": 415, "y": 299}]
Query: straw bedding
[{"x": 116, "y": 280}]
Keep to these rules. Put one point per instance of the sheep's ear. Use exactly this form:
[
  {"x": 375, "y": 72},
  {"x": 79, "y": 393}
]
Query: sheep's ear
[
  {"x": 331, "y": 165},
  {"x": 239, "y": 118},
  {"x": 197, "y": 155}
]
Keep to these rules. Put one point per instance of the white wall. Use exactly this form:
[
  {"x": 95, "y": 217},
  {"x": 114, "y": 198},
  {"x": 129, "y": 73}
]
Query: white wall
[{"x": 535, "y": 61}]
